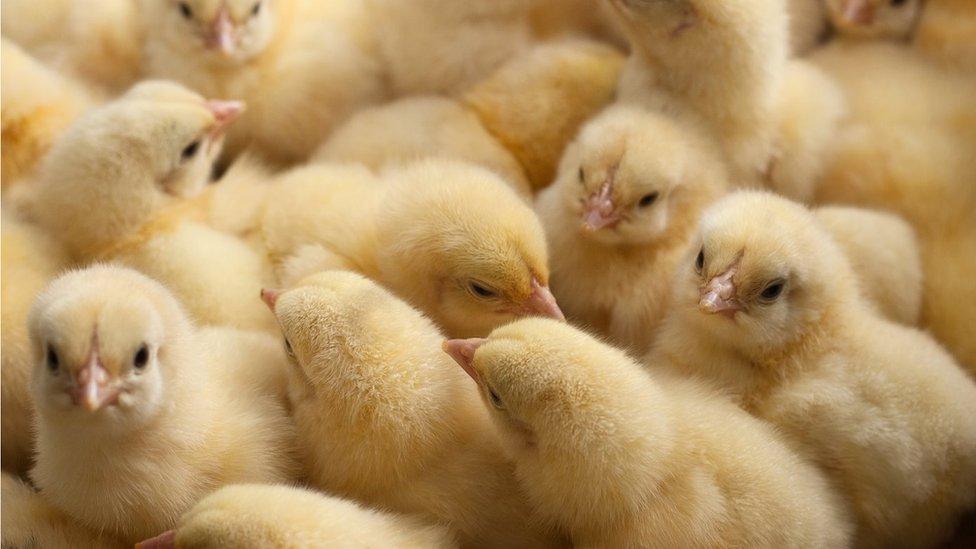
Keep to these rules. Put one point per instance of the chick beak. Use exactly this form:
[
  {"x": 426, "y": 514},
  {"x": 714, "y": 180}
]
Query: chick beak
[
  {"x": 598, "y": 210},
  {"x": 270, "y": 297},
  {"x": 92, "y": 388},
  {"x": 718, "y": 295},
  {"x": 224, "y": 113},
  {"x": 166, "y": 540},
  {"x": 462, "y": 351},
  {"x": 542, "y": 302},
  {"x": 858, "y": 12},
  {"x": 221, "y": 35}
]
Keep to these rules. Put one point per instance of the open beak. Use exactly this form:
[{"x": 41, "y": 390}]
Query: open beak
[
  {"x": 224, "y": 113},
  {"x": 462, "y": 351},
  {"x": 858, "y": 12},
  {"x": 719, "y": 295},
  {"x": 221, "y": 35},
  {"x": 542, "y": 302},
  {"x": 270, "y": 297},
  {"x": 166, "y": 540},
  {"x": 598, "y": 210},
  {"x": 92, "y": 384}
]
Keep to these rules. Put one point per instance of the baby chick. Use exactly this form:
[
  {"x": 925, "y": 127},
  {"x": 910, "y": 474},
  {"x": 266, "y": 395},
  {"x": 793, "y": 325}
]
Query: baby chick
[
  {"x": 620, "y": 459},
  {"x": 384, "y": 420},
  {"x": 629, "y": 193},
  {"x": 38, "y": 104},
  {"x": 883, "y": 253},
  {"x": 302, "y": 66},
  {"x": 138, "y": 410},
  {"x": 767, "y": 308},
  {"x": 874, "y": 18},
  {"x": 29, "y": 260},
  {"x": 421, "y": 127},
  {"x": 29, "y": 521},
  {"x": 280, "y": 517},
  {"x": 140, "y": 162},
  {"x": 450, "y": 238}
]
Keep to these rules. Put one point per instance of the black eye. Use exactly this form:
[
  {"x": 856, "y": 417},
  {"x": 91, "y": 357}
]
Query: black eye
[
  {"x": 185, "y": 10},
  {"x": 700, "y": 261},
  {"x": 53, "y": 362},
  {"x": 256, "y": 9},
  {"x": 898, "y": 2},
  {"x": 774, "y": 290},
  {"x": 190, "y": 151},
  {"x": 480, "y": 290},
  {"x": 581, "y": 177},
  {"x": 288, "y": 349},
  {"x": 648, "y": 199},
  {"x": 496, "y": 400},
  {"x": 141, "y": 358}
]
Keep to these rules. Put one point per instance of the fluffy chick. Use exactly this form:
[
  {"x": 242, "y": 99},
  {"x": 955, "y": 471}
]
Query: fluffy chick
[
  {"x": 767, "y": 308},
  {"x": 385, "y": 420},
  {"x": 629, "y": 193},
  {"x": 421, "y": 127},
  {"x": 450, "y": 238},
  {"x": 141, "y": 162},
  {"x": 138, "y": 409},
  {"x": 29, "y": 260},
  {"x": 895, "y": 19},
  {"x": 38, "y": 104},
  {"x": 302, "y": 66},
  {"x": 29, "y": 521},
  {"x": 280, "y": 517},
  {"x": 619, "y": 459},
  {"x": 946, "y": 33},
  {"x": 883, "y": 252}
]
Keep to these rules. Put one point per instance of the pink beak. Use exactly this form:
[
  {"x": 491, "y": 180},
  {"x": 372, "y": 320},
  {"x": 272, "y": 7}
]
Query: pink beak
[
  {"x": 599, "y": 211},
  {"x": 221, "y": 34},
  {"x": 718, "y": 295},
  {"x": 225, "y": 113},
  {"x": 91, "y": 388},
  {"x": 166, "y": 540},
  {"x": 858, "y": 12},
  {"x": 462, "y": 351},
  {"x": 270, "y": 297},
  {"x": 542, "y": 302}
]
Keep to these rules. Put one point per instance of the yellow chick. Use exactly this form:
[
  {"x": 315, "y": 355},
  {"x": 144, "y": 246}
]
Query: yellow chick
[
  {"x": 29, "y": 260},
  {"x": 628, "y": 195},
  {"x": 302, "y": 66},
  {"x": 141, "y": 162},
  {"x": 255, "y": 516},
  {"x": 553, "y": 19},
  {"x": 445, "y": 46},
  {"x": 767, "y": 308},
  {"x": 385, "y": 420},
  {"x": 883, "y": 252},
  {"x": 946, "y": 33},
  {"x": 38, "y": 104},
  {"x": 620, "y": 459},
  {"x": 874, "y": 18},
  {"x": 450, "y": 238},
  {"x": 29, "y": 521},
  {"x": 142, "y": 412}
]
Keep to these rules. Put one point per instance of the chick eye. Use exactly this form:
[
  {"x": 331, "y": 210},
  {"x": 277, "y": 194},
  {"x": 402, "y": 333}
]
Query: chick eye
[
  {"x": 190, "y": 151},
  {"x": 897, "y": 3},
  {"x": 648, "y": 199},
  {"x": 185, "y": 10},
  {"x": 480, "y": 291},
  {"x": 141, "y": 358},
  {"x": 53, "y": 362},
  {"x": 700, "y": 261},
  {"x": 496, "y": 400},
  {"x": 773, "y": 290},
  {"x": 256, "y": 9},
  {"x": 581, "y": 176},
  {"x": 288, "y": 349}
]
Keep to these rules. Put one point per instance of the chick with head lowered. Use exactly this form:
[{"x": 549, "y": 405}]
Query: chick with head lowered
[
  {"x": 450, "y": 238},
  {"x": 765, "y": 308},
  {"x": 617, "y": 458},
  {"x": 142, "y": 412},
  {"x": 383, "y": 419}
]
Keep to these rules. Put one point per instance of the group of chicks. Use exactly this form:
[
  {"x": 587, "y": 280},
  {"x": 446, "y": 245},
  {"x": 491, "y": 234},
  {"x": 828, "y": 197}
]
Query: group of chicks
[{"x": 488, "y": 273}]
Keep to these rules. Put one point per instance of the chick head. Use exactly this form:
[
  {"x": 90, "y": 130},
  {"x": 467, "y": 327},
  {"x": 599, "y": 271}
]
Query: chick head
[
  {"x": 105, "y": 342},
  {"x": 535, "y": 376},
  {"x": 762, "y": 273},
  {"x": 631, "y": 175},
  {"x": 463, "y": 247},
  {"x": 875, "y": 18},
  {"x": 224, "y": 32}
]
